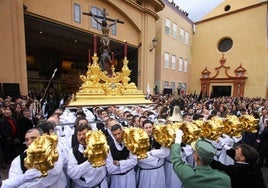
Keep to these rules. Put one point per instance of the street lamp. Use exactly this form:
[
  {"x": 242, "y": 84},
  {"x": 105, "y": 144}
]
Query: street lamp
[{"x": 154, "y": 41}]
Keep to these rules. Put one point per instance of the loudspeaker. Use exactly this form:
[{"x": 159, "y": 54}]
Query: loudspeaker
[
  {"x": 167, "y": 91},
  {"x": 12, "y": 90}
]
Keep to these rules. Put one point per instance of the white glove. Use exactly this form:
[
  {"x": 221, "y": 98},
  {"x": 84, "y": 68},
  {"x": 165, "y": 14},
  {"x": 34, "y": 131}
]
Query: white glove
[
  {"x": 31, "y": 174},
  {"x": 178, "y": 137},
  {"x": 21, "y": 179}
]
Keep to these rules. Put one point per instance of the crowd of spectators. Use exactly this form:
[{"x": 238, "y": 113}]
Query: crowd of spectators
[{"x": 19, "y": 115}]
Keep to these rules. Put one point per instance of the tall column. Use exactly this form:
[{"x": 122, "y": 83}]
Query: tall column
[
  {"x": 147, "y": 58},
  {"x": 242, "y": 87},
  {"x": 235, "y": 94},
  {"x": 12, "y": 45}
]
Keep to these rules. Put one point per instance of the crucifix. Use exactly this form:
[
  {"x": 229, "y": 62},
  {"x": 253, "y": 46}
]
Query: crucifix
[{"x": 105, "y": 27}]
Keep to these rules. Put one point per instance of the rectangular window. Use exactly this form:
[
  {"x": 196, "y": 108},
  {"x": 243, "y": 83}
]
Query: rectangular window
[
  {"x": 185, "y": 65},
  {"x": 181, "y": 34},
  {"x": 180, "y": 64},
  {"x": 167, "y": 26},
  {"x": 175, "y": 30},
  {"x": 186, "y": 37},
  {"x": 77, "y": 13},
  {"x": 173, "y": 62},
  {"x": 94, "y": 23},
  {"x": 166, "y": 63},
  {"x": 166, "y": 84}
]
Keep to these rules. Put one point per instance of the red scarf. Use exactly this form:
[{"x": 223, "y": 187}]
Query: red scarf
[{"x": 12, "y": 125}]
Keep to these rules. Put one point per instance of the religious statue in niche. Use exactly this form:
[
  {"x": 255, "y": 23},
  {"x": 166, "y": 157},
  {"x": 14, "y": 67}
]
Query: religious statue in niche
[
  {"x": 239, "y": 74},
  {"x": 105, "y": 61},
  {"x": 205, "y": 75}
]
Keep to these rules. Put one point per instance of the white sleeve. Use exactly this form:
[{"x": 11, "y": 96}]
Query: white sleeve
[
  {"x": 95, "y": 174},
  {"x": 17, "y": 177},
  {"x": 68, "y": 131},
  {"x": 92, "y": 175},
  {"x": 124, "y": 166},
  {"x": 161, "y": 153},
  {"x": 63, "y": 144},
  {"x": 15, "y": 168},
  {"x": 68, "y": 143},
  {"x": 187, "y": 150},
  {"x": 128, "y": 164},
  {"x": 13, "y": 182},
  {"x": 75, "y": 170},
  {"x": 148, "y": 162},
  {"x": 54, "y": 174}
]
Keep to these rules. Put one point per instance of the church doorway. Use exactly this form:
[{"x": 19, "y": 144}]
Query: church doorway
[
  {"x": 219, "y": 91},
  {"x": 50, "y": 45}
]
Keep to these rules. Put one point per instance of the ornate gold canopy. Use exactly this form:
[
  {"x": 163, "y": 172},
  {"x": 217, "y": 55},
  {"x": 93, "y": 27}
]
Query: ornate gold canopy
[{"x": 101, "y": 88}]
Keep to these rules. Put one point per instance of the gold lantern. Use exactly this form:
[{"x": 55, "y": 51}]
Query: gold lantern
[
  {"x": 191, "y": 132},
  {"x": 232, "y": 126},
  {"x": 97, "y": 149},
  {"x": 137, "y": 141},
  {"x": 249, "y": 123},
  {"x": 164, "y": 134},
  {"x": 42, "y": 153},
  {"x": 212, "y": 129}
]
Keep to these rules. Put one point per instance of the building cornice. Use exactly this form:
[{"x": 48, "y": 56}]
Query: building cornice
[
  {"x": 233, "y": 12},
  {"x": 177, "y": 9},
  {"x": 158, "y": 5}
]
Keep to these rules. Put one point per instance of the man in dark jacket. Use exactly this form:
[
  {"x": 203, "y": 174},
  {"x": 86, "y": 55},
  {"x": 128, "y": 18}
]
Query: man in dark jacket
[
  {"x": 25, "y": 123},
  {"x": 8, "y": 133},
  {"x": 245, "y": 171}
]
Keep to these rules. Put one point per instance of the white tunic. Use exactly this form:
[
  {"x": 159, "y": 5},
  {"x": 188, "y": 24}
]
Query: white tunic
[
  {"x": 172, "y": 180},
  {"x": 151, "y": 172},
  {"x": 91, "y": 176},
  {"x": 122, "y": 176},
  {"x": 64, "y": 131},
  {"x": 228, "y": 144},
  {"x": 54, "y": 179}
]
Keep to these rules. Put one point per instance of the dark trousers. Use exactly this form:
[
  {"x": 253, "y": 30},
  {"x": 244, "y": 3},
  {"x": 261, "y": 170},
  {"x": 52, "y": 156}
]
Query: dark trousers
[
  {"x": 263, "y": 160},
  {"x": 9, "y": 150}
]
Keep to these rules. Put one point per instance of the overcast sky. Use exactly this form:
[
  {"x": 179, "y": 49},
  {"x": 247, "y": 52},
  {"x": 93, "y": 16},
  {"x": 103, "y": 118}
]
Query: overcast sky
[{"x": 197, "y": 8}]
